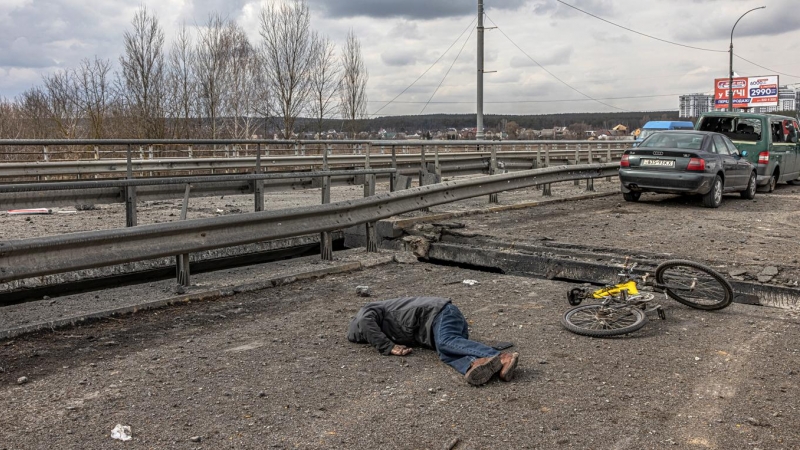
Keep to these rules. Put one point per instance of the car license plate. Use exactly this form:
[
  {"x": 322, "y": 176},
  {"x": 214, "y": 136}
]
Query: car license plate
[{"x": 659, "y": 162}]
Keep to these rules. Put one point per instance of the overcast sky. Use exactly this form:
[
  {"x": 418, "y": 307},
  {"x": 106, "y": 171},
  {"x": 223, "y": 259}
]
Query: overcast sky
[{"x": 402, "y": 39}]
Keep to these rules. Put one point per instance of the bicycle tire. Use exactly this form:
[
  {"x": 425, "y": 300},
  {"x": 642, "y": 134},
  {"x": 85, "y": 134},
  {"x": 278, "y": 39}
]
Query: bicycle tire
[
  {"x": 714, "y": 291},
  {"x": 585, "y": 320}
]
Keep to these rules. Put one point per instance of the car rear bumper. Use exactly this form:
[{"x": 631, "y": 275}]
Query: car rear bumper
[{"x": 665, "y": 182}]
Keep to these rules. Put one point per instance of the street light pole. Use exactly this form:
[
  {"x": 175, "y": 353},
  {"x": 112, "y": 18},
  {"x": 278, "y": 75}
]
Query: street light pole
[
  {"x": 730, "y": 66},
  {"x": 479, "y": 126}
]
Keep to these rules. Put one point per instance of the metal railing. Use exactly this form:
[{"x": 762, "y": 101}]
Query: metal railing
[
  {"x": 52, "y": 150},
  {"x": 487, "y": 157},
  {"x": 35, "y": 257}
]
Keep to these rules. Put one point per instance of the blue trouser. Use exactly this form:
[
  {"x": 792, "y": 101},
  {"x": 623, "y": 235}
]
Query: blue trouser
[{"x": 451, "y": 336}]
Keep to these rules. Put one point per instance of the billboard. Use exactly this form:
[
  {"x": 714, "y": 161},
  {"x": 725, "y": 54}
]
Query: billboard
[{"x": 748, "y": 92}]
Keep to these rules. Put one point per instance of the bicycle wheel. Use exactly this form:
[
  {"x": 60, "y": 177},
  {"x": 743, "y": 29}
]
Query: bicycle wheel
[
  {"x": 694, "y": 284},
  {"x": 603, "y": 321}
]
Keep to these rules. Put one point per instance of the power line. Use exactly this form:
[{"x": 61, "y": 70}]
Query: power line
[
  {"x": 638, "y": 32},
  {"x": 429, "y": 68},
  {"x": 548, "y": 72},
  {"x": 767, "y": 68},
  {"x": 448, "y": 71}
]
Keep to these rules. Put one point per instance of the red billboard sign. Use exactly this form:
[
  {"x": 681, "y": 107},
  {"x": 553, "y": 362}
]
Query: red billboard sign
[{"x": 748, "y": 92}]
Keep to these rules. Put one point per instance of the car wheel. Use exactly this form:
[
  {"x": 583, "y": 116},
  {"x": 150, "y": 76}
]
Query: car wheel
[
  {"x": 750, "y": 192},
  {"x": 631, "y": 196},
  {"x": 714, "y": 197},
  {"x": 794, "y": 182}
]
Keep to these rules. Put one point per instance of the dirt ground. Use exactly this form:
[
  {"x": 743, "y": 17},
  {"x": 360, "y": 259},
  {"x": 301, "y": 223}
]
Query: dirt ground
[{"x": 273, "y": 369}]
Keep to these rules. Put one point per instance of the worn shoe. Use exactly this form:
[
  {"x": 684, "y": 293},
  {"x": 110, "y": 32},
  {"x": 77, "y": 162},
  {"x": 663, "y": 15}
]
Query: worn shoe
[
  {"x": 509, "y": 362},
  {"x": 482, "y": 369}
]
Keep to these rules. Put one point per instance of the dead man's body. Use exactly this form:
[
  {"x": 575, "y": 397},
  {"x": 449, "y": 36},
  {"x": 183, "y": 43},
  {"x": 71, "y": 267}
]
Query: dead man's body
[{"x": 394, "y": 326}]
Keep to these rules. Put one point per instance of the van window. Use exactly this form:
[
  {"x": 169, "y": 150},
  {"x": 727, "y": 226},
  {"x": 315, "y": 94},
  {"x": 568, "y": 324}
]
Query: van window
[
  {"x": 777, "y": 132},
  {"x": 735, "y": 128}
]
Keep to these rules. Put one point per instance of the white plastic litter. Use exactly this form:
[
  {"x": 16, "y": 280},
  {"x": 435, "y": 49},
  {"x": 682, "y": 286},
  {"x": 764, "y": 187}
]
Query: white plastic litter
[
  {"x": 470, "y": 282},
  {"x": 121, "y": 432}
]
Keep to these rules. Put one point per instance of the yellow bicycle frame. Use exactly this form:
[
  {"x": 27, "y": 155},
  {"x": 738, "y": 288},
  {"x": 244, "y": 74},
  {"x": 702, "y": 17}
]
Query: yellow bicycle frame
[{"x": 609, "y": 291}]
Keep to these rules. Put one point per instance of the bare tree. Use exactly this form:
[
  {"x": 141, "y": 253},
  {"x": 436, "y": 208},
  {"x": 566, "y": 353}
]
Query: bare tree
[
  {"x": 62, "y": 97},
  {"x": 143, "y": 74},
  {"x": 94, "y": 94},
  {"x": 287, "y": 51},
  {"x": 240, "y": 99},
  {"x": 33, "y": 108},
  {"x": 181, "y": 85},
  {"x": 353, "y": 89},
  {"x": 213, "y": 48},
  {"x": 324, "y": 80},
  {"x": 11, "y": 120}
]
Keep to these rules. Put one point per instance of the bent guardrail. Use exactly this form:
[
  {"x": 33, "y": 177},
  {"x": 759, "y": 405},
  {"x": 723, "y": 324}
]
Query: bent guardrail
[{"x": 29, "y": 258}]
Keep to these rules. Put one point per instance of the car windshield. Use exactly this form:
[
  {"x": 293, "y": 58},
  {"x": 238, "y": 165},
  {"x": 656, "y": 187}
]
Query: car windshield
[{"x": 674, "y": 140}]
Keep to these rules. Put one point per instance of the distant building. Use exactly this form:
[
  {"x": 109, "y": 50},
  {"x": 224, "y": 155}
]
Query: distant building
[{"x": 693, "y": 105}]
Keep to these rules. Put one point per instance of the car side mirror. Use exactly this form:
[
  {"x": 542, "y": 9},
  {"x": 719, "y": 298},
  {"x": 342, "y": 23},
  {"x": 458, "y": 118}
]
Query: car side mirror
[{"x": 743, "y": 153}]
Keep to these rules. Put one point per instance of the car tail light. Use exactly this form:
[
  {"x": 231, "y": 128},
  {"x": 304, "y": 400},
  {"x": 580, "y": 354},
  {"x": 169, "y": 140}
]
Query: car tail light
[
  {"x": 624, "y": 162},
  {"x": 763, "y": 158},
  {"x": 698, "y": 164}
]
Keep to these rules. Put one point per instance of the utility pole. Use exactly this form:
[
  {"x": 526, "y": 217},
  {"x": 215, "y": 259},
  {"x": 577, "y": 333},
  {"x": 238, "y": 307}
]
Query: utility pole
[{"x": 479, "y": 130}]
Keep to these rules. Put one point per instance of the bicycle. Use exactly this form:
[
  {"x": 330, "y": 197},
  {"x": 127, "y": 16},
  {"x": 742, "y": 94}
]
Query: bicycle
[{"x": 622, "y": 308}]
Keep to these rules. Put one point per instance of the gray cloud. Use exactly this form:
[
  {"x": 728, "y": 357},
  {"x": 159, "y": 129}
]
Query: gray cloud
[
  {"x": 401, "y": 58},
  {"x": 602, "y": 8},
  {"x": 409, "y": 9},
  {"x": 554, "y": 57},
  {"x": 778, "y": 18}
]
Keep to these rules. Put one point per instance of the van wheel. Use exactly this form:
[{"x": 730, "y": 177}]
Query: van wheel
[
  {"x": 750, "y": 192},
  {"x": 770, "y": 186},
  {"x": 631, "y": 196},
  {"x": 714, "y": 197},
  {"x": 794, "y": 182}
]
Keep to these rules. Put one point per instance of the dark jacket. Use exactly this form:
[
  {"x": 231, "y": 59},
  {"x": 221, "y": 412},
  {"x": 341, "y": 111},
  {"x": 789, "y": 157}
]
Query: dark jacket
[{"x": 404, "y": 321}]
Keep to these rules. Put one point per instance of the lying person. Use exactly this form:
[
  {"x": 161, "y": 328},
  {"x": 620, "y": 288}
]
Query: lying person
[{"x": 393, "y": 326}]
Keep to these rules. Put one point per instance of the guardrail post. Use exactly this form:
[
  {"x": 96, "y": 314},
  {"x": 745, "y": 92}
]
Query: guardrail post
[
  {"x": 608, "y": 159},
  {"x": 141, "y": 152},
  {"x": 325, "y": 242},
  {"x": 578, "y": 161},
  {"x": 437, "y": 168},
  {"x": 258, "y": 185},
  {"x": 45, "y": 155},
  {"x": 130, "y": 193},
  {"x": 393, "y": 177},
  {"x": 493, "y": 171},
  {"x": 546, "y": 192},
  {"x": 190, "y": 152},
  {"x": 369, "y": 191},
  {"x": 423, "y": 173},
  {"x": 96, "y": 152},
  {"x": 589, "y": 181},
  {"x": 182, "y": 261},
  {"x": 149, "y": 152}
]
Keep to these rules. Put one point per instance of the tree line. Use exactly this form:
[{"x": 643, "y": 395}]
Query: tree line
[{"x": 213, "y": 83}]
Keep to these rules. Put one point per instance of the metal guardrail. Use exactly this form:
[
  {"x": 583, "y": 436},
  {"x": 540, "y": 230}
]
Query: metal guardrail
[
  {"x": 28, "y": 258},
  {"x": 452, "y": 164}
]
